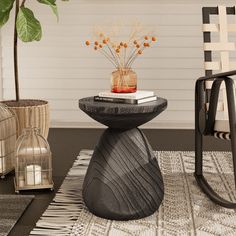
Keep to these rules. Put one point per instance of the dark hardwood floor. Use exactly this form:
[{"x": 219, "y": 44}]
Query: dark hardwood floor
[{"x": 66, "y": 145}]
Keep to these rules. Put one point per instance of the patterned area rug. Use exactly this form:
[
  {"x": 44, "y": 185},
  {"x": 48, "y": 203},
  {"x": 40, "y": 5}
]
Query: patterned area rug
[
  {"x": 11, "y": 209},
  {"x": 184, "y": 211}
]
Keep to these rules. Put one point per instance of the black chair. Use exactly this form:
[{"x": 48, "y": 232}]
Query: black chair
[{"x": 217, "y": 57}]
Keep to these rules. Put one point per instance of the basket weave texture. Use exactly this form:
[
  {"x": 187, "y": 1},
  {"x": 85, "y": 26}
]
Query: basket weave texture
[{"x": 31, "y": 113}]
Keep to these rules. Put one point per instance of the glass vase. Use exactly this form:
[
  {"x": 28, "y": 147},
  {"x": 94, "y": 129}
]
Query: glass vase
[{"x": 123, "y": 81}]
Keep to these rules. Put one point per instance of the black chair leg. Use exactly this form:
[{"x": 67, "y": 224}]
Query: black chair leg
[
  {"x": 202, "y": 182},
  {"x": 232, "y": 120},
  {"x": 198, "y": 153},
  {"x": 233, "y": 148}
]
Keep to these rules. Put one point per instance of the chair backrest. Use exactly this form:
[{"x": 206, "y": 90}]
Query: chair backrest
[{"x": 219, "y": 35}]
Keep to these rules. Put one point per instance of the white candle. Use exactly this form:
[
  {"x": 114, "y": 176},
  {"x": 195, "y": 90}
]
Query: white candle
[
  {"x": 2, "y": 165},
  {"x": 33, "y": 174}
]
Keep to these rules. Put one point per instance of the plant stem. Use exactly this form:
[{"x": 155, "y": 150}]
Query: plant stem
[
  {"x": 132, "y": 53},
  {"x": 134, "y": 58},
  {"x": 16, "y": 55},
  {"x": 104, "y": 53},
  {"x": 23, "y": 3},
  {"x": 124, "y": 56},
  {"x": 110, "y": 57},
  {"x": 115, "y": 57}
]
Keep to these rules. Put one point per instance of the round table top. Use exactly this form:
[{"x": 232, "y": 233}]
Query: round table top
[{"x": 117, "y": 115}]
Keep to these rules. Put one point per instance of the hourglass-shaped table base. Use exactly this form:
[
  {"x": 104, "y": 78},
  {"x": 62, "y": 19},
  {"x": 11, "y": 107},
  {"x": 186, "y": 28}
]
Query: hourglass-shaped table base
[{"x": 123, "y": 180}]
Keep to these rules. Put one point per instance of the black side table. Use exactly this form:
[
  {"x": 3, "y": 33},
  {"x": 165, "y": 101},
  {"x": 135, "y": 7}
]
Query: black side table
[{"x": 123, "y": 180}]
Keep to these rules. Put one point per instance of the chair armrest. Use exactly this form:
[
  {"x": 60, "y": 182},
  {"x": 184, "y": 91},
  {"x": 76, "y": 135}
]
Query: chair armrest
[
  {"x": 204, "y": 119},
  {"x": 218, "y": 75}
]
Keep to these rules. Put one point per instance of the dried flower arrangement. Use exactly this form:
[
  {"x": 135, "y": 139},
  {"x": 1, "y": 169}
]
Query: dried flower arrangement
[{"x": 122, "y": 55}]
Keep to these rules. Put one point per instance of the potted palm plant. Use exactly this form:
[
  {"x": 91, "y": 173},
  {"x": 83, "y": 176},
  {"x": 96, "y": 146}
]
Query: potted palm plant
[{"x": 30, "y": 112}]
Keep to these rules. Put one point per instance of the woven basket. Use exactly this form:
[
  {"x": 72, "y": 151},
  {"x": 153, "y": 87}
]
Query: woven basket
[{"x": 30, "y": 113}]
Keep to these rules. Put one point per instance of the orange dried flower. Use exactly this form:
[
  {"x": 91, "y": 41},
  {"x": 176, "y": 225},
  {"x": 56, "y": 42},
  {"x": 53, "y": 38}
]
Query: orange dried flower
[
  {"x": 104, "y": 41},
  {"x": 121, "y": 44},
  {"x": 125, "y": 45},
  {"x": 146, "y": 37},
  {"x": 145, "y": 44},
  {"x": 139, "y": 52},
  {"x": 95, "y": 47},
  {"x": 87, "y": 43},
  {"x": 154, "y": 39},
  {"x": 96, "y": 43},
  {"x": 137, "y": 46},
  {"x": 117, "y": 50},
  {"x": 135, "y": 42},
  {"x": 100, "y": 45}
]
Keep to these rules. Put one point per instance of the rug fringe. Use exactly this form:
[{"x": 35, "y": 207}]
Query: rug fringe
[{"x": 64, "y": 210}]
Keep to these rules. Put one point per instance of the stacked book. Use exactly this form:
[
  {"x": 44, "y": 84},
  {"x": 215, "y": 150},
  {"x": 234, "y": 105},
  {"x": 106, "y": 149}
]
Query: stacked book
[{"x": 138, "y": 97}]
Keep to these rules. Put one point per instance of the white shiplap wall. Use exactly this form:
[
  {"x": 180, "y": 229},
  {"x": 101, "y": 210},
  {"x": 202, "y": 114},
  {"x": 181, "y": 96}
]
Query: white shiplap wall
[{"x": 61, "y": 69}]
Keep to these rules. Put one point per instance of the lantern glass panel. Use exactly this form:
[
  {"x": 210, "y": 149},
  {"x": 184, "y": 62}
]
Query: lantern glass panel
[{"x": 8, "y": 126}]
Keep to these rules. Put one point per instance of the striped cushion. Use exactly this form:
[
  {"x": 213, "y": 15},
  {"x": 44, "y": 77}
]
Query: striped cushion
[{"x": 222, "y": 135}]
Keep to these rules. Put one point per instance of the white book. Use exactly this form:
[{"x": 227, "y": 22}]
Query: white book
[
  {"x": 137, "y": 95},
  {"x": 125, "y": 100},
  {"x": 148, "y": 99}
]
